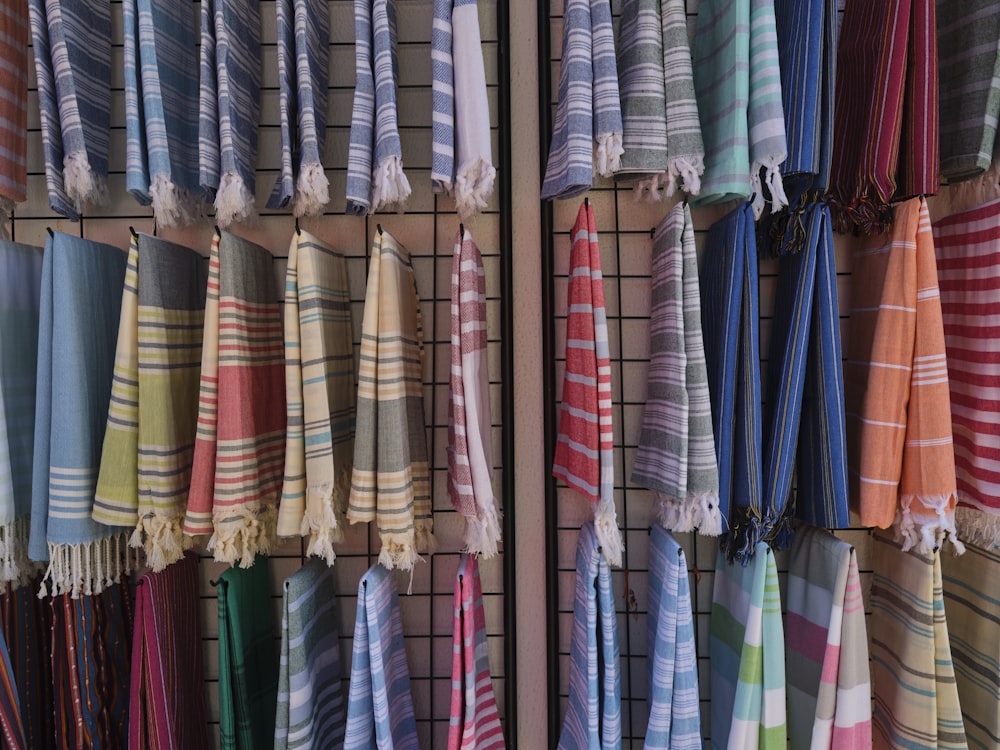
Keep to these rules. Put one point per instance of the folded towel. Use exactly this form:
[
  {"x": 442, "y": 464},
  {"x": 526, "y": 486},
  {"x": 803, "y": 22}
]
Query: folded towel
[
  {"x": 27, "y": 624},
  {"x": 15, "y": 35}
]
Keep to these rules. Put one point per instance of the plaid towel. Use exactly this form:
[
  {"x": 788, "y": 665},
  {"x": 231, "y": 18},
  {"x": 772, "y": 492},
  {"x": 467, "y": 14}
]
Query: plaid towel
[
  {"x": 229, "y": 107},
  {"x": 303, "y": 31},
  {"x": 390, "y": 482},
  {"x": 593, "y": 711},
  {"x": 161, "y": 92},
  {"x": 380, "y": 708},
  {"x": 967, "y": 246},
  {"x": 901, "y": 458},
  {"x": 584, "y": 457},
  {"x": 826, "y": 666},
  {"x": 747, "y": 654},
  {"x": 27, "y": 623},
  {"x": 470, "y": 444},
  {"x": 672, "y": 660},
  {"x": 311, "y": 710},
  {"x": 239, "y": 453},
  {"x": 916, "y": 702},
  {"x": 80, "y": 304},
  {"x": 167, "y": 695},
  {"x": 149, "y": 441},
  {"x": 589, "y": 108},
  {"x": 14, "y": 33},
  {"x": 676, "y": 453},
  {"x": 319, "y": 386},
  {"x": 475, "y": 722}
]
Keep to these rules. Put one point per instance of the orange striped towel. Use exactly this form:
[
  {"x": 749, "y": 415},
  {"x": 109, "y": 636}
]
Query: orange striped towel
[{"x": 900, "y": 453}]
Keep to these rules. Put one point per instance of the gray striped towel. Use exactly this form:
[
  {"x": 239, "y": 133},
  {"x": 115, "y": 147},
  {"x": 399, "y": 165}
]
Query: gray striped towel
[
  {"x": 229, "y": 106},
  {"x": 14, "y": 38},
  {"x": 72, "y": 44},
  {"x": 303, "y": 77},
  {"x": 589, "y": 106}
]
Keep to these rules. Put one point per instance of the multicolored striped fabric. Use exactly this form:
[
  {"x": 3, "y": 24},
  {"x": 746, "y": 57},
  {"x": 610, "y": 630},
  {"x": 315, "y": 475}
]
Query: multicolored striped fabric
[
  {"x": 380, "y": 707},
  {"x": 443, "y": 98},
  {"x": 149, "y": 441},
  {"x": 238, "y": 452},
  {"x": 475, "y": 721},
  {"x": 593, "y": 711},
  {"x": 918, "y": 171},
  {"x": 14, "y": 38},
  {"x": 11, "y": 723},
  {"x": 967, "y": 246},
  {"x": 391, "y": 477},
  {"x": 916, "y": 701},
  {"x": 167, "y": 695},
  {"x": 589, "y": 108},
  {"x": 319, "y": 389},
  {"x": 27, "y": 625},
  {"x": 675, "y": 456},
  {"x": 311, "y": 709}
]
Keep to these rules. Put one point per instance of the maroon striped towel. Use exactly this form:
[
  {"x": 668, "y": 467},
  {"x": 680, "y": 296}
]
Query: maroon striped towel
[{"x": 13, "y": 106}]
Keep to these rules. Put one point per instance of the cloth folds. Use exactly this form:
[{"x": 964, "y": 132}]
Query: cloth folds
[
  {"x": 15, "y": 35},
  {"x": 11, "y": 723},
  {"x": 27, "y": 628}
]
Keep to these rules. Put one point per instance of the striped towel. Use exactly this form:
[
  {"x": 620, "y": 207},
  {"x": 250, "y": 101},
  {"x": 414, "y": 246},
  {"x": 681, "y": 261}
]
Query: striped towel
[
  {"x": 239, "y": 453},
  {"x": 229, "y": 107},
  {"x": 475, "y": 721},
  {"x": 470, "y": 443},
  {"x": 319, "y": 386},
  {"x": 967, "y": 246},
  {"x": 149, "y": 441},
  {"x": 72, "y": 44},
  {"x": 672, "y": 660},
  {"x": 919, "y": 168},
  {"x": 584, "y": 457},
  {"x": 390, "y": 482},
  {"x": 375, "y": 178},
  {"x": 11, "y": 723},
  {"x": 747, "y": 654},
  {"x": 14, "y": 38},
  {"x": 161, "y": 92},
  {"x": 311, "y": 710},
  {"x": 81, "y": 296},
  {"x": 593, "y": 712},
  {"x": 248, "y": 669},
  {"x": 916, "y": 701},
  {"x": 826, "y": 666},
  {"x": 380, "y": 707},
  {"x": 303, "y": 35},
  {"x": 589, "y": 109},
  {"x": 675, "y": 456},
  {"x": 167, "y": 695},
  {"x": 900, "y": 453},
  {"x": 27, "y": 624},
  {"x": 972, "y": 606}
]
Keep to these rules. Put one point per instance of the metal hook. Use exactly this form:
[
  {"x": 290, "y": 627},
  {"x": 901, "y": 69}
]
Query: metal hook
[
  {"x": 51, "y": 233},
  {"x": 461, "y": 231},
  {"x": 379, "y": 228},
  {"x": 298, "y": 229},
  {"x": 134, "y": 234}
]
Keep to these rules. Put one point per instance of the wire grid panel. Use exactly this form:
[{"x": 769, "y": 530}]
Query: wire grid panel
[{"x": 427, "y": 228}]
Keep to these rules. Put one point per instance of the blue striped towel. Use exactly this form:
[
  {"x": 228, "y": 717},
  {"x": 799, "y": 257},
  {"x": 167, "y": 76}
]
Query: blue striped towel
[
  {"x": 303, "y": 78},
  {"x": 380, "y": 707},
  {"x": 593, "y": 713},
  {"x": 72, "y": 44},
  {"x": 589, "y": 106},
  {"x": 161, "y": 92},
  {"x": 229, "y": 107},
  {"x": 672, "y": 660}
]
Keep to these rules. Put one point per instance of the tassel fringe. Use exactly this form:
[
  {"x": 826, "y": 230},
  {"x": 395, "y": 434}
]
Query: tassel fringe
[
  {"x": 686, "y": 171},
  {"x": 924, "y": 531},
  {"x": 312, "y": 191},
  {"x": 473, "y": 187},
  {"x": 325, "y": 526},
  {"x": 161, "y": 537},
  {"x": 699, "y": 512},
  {"x": 609, "y": 536},
  {"x": 173, "y": 206},
  {"x": 234, "y": 202},
  {"x": 87, "y": 568},
  {"x": 15, "y": 566},
  {"x": 482, "y": 533},
  {"x": 241, "y": 534},
  {"x": 391, "y": 186},
  {"x": 608, "y": 157},
  {"x": 978, "y": 528},
  {"x": 83, "y": 185},
  {"x": 398, "y": 554}
]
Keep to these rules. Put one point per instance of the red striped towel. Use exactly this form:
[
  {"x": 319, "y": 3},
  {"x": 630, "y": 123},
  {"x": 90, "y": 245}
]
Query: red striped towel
[{"x": 13, "y": 105}]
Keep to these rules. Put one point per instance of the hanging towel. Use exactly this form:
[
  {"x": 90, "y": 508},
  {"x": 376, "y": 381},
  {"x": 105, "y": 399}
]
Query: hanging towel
[
  {"x": 27, "y": 627},
  {"x": 967, "y": 246},
  {"x": 747, "y": 654},
  {"x": 593, "y": 711},
  {"x": 672, "y": 659},
  {"x": 238, "y": 452},
  {"x": 229, "y": 107},
  {"x": 161, "y": 93},
  {"x": 589, "y": 109},
  {"x": 919, "y": 168},
  {"x": 303, "y": 35},
  {"x": 901, "y": 459},
  {"x": 470, "y": 444},
  {"x": 584, "y": 457},
  {"x": 311, "y": 710},
  {"x": 916, "y": 702},
  {"x": 14, "y": 39},
  {"x": 675, "y": 456},
  {"x": 319, "y": 386},
  {"x": 11, "y": 723},
  {"x": 475, "y": 721},
  {"x": 149, "y": 442},
  {"x": 72, "y": 44},
  {"x": 167, "y": 694},
  {"x": 826, "y": 666},
  {"x": 390, "y": 482},
  {"x": 380, "y": 706}
]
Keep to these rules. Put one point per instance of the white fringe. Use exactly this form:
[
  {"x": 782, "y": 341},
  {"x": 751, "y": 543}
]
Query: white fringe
[
  {"x": 482, "y": 533},
  {"x": 86, "y": 568},
  {"x": 84, "y": 186},
  {"x": 312, "y": 191},
  {"x": 473, "y": 187},
  {"x": 234, "y": 202},
  {"x": 173, "y": 206},
  {"x": 391, "y": 186},
  {"x": 924, "y": 531},
  {"x": 608, "y": 157},
  {"x": 323, "y": 520},
  {"x": 698, "y": 512},
  {"x": 15, "y": 566},
  {"x": 398, "y": 555},
  {"x": 608, "y": 535},
  {"x": 775, "y": 187},
  {"x": 160, "y": 536},
  {"x": 686, "y": 171},
  {"x": 978, "y": 528},
  {"x": 241, "y": 542}
]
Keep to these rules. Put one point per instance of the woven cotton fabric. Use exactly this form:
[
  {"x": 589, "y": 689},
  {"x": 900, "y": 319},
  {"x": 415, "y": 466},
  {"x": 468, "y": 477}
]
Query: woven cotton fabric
[
  {"x": 15, "y": 35},
  {"x": 27, "y": 626}
]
